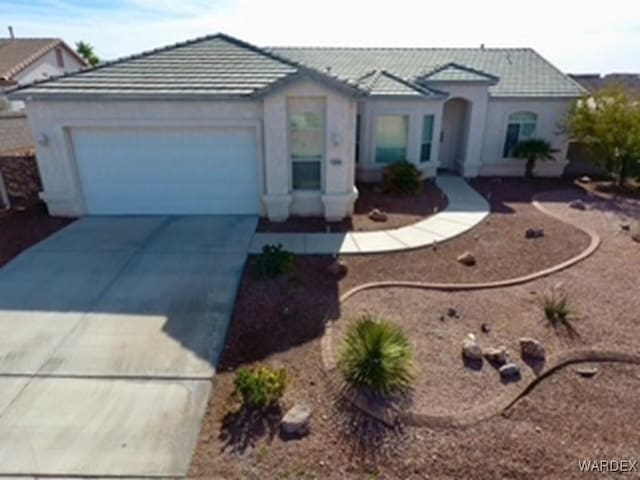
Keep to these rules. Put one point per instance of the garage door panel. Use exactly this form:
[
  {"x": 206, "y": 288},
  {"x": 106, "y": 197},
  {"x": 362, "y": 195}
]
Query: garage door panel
[{"x": 168, "y": 170}]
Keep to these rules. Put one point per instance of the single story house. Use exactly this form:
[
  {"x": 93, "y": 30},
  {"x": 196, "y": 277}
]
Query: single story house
[
  {"x": 25, "y": 60},
  {"x": 216, "y": 125}
]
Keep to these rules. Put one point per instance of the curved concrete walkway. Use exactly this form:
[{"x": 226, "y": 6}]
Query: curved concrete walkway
[{"x": 466, "y": 209}]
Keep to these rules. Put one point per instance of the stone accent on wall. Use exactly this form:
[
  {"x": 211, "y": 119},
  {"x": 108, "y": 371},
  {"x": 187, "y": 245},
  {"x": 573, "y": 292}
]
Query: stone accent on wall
[{"x": 21, "y": 178}]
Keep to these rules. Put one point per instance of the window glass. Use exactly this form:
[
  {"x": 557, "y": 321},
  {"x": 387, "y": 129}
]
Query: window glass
[
  {"x": 522, "y": 125},
  {"x": 427, "y": 138},
  {"x": 391, "y": 138},
  {"x": 305, "y": 175},
  {"x": 306, "y": 143}
]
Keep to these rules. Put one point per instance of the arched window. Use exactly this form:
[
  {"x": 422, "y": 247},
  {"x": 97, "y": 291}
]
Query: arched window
[{"x": 522, "y": 125}]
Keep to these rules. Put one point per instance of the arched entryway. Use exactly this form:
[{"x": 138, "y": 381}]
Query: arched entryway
[{"x": 453, "y": 138}]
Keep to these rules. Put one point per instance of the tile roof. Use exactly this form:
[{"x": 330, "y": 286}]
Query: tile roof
[
  {"x": 216, "y": 65},
  {"x": 220, "y": 65},
  {"x": 452, "y": 72},
  {"x": 593, "y": 81},
  {"x": 521, "y": 71},
  {"x": 381, "y": 82},
  {"x": 16, "y": 54}
]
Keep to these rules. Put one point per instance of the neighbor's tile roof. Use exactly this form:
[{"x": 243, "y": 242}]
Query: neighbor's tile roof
[
  {"x": 521, "y": 71},
  {"x": 18, "y": 53}
]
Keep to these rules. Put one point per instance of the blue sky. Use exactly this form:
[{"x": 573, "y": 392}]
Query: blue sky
[{"x": 573, "y": 35}]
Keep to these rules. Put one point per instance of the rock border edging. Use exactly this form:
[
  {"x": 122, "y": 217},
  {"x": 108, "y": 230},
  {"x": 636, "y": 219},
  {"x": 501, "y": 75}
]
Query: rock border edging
[{"x": 494, "y": 408}]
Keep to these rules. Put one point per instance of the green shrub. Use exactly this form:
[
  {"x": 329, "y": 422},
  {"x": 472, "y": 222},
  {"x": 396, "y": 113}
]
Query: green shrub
[
  {"x": 260, "y": 387},
  {"x": 556, "y": 306},
  {"x": 403, "y": 178},
  {"x": 376, "y": 357},
  {"x": 274, "y": 261}
]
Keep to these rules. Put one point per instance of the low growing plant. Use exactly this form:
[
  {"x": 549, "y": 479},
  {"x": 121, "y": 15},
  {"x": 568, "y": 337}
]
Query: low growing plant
[
  {"x": 260, "y": 387},
  {"x": 402, "y": 178},
  {"x": 274, "y": 261},
  {"x": 376, "y": 357},
  {"x": 556, "y": 306}
]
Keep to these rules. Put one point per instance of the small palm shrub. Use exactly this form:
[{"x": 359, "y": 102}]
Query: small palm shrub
[
  {"x": 556, "y": 306},
  {"x": 533, "y": 149},
  {"x": 376, "y": 357},
  {"x": 402, "y": 178},
  {"x": 274, "y": 261},
  {"x": 260, "y": 387}
]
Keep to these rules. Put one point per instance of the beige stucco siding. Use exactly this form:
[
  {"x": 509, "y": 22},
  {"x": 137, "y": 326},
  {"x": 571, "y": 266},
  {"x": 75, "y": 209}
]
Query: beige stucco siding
[
  {"x": 552, "y": 114},
  {"x": 51, "y": 122}
]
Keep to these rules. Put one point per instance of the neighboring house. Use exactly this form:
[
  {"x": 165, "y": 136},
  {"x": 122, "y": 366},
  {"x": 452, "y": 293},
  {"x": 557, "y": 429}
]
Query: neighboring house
[
  {"x": 27, "y": 60},
  {"x": 594, "y": 81},
  {"x": 581, "y": 161},
  {"x": 216, "y": 125}
]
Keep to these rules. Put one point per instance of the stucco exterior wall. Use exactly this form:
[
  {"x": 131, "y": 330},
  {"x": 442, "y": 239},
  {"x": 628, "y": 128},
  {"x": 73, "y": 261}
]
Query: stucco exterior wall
[
  {"x": 369, "y": 109},
  {"x": 551, "y": 114},
  {"x": 335, "y": 199},
  {"x": 51, "y": 121}
]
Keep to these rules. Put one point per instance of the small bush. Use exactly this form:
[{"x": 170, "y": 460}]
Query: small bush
[
  {"x": 376, "y": 357},
  {"x": 556, "y": 306},
  {"x": 402, "y": 178},
  {"x": 274, "y": 261},
  {"x": 260, "y": 387}
]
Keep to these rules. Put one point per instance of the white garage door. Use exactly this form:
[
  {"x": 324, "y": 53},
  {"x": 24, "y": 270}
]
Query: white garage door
[{"x": 167, "y": 170}]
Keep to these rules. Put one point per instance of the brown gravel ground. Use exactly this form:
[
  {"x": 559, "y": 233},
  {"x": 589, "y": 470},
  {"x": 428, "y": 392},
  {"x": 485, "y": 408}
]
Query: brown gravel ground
[
  {"x": 401, "y": 210},
  {"x": 498, "y": 243},
  {"x": 21, "y": 229},
  {"x": 564, "y": 419}
]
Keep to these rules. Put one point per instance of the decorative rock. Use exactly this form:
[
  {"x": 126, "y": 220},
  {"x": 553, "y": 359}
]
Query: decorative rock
[
  {"x": 470, "y": 348},
  {"x": 584, "y": 179},
  {"x": 296, "y": 421},
  {"x": 485, "y": 327},
  {"x": 377, "y": 215},
  {"x": 467, "y": 259},
  {"x": 625, "y": 226},
  {"x": 534, "y": 233},
  {"x": 452, "y": 312},
  {"x": 509, "y": 370},
  {"x": 578, "y": 205},
  {"x": 587, "y": 372},
  {"x": 337, "y": 268},
  {"x": 499, "y": 355},
  {"x": 532, "y": 348}
]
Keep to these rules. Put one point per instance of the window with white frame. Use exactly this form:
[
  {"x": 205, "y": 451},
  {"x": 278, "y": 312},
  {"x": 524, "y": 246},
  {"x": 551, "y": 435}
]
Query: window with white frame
[
  {"x": 522, "y": 126},
  {"x": 427, "y": 138},
  {"x": 306, "y": 142},
  {"x": 392, "y": 132}
]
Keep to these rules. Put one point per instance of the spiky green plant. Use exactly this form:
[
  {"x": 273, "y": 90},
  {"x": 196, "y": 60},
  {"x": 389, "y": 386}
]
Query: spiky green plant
[
  {"x": 556, "y": 306},
  {"x": 533, "y": 149},
  {"x": 376, "y": 357}
]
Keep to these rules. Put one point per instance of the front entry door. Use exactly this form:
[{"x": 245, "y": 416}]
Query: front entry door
[{"x": 452, "y": 136}]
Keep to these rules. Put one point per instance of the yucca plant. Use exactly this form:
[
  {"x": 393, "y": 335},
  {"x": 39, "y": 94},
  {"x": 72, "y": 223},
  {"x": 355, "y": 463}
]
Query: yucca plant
[
  {"x": 532, "y": 150},
  {"x": 376, "y": 357}
]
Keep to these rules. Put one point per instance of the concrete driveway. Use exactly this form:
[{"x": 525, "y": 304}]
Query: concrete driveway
[{"x": 109, "y": 333}]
